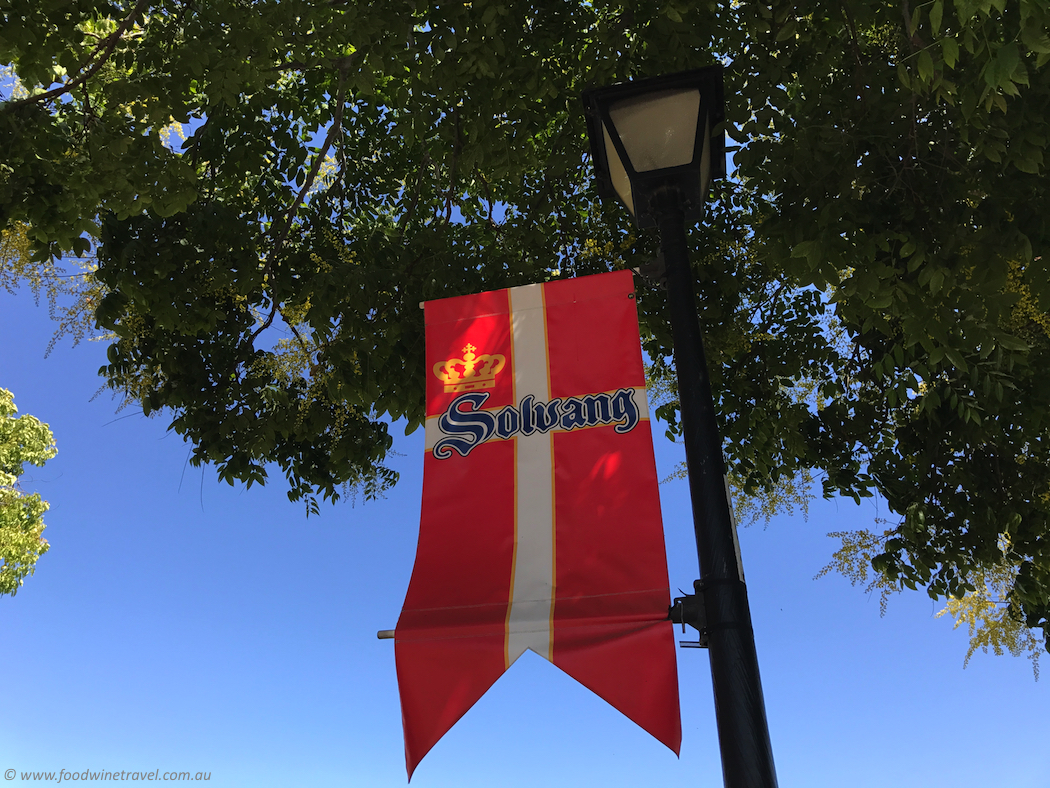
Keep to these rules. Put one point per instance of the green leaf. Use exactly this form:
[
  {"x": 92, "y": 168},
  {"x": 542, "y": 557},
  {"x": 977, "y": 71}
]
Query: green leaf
[
  {"x": 903, "y": 76},
  {"x": 1007, "y": 60},
  {"x": 881, "y": 300},
  {"x": 950, "y": 51},
  {"x": 936, "y": 280},
  {"x": 1036, "y": 39},
  {"x": 936, "y": 12},
  {"x": 925, "y": 65},
  {"x": 956, "y": 358},
  {"x": 787, "y": 31},
  {"x": 1011, "y": 342},
  {"x": 1029, "y": 164},
  {"x": 916, "y": 260},
  {"x": 811, "y": 250}
]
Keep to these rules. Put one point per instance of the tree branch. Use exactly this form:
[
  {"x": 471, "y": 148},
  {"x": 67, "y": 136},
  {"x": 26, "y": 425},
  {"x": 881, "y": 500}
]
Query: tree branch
[
  {"x": 488, "y": 195},
  {"x": 289, "y": 216},
  {"x": 915, "y": 41},
  {"x": 407, "y": 216},
  {"x": 858, "y": 84},
  {"x": 450, "y": 194},
  {"x": 302, "y": 342},
  {"x": 102, "y": 51}
]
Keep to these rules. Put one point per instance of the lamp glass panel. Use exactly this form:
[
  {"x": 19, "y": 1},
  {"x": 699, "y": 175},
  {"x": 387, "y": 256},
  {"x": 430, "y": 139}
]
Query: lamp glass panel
[
  {"x": 617, "y": 173},
  {"x": 657, "y": 129}
]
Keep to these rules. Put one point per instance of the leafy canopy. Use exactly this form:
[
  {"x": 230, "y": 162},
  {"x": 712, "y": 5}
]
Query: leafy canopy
[
  {"x": 23, "y": 439},
  {"x": 874, "y": 278}
]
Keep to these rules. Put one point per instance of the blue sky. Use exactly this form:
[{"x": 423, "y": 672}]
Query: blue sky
[{"x": 181, "y": 624}]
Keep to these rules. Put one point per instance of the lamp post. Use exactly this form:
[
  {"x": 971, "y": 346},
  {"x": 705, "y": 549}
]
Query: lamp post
[{"x": 654, "y": 151}]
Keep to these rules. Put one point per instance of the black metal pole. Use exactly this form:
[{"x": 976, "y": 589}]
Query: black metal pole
[{"x": 740, "y": 713}]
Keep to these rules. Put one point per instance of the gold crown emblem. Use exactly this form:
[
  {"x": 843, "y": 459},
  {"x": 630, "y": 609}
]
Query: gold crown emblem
[{"x": 478, "y": 372}]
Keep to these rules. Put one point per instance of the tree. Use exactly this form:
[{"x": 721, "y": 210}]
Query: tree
[
  {"x": 71, "y": 297},
  {"x": 23, "y": 439},
  {"x": 874, "y": 278}
]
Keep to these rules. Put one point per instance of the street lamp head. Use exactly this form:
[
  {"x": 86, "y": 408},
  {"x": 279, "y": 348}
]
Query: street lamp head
[{"x": 654, "y": 138}]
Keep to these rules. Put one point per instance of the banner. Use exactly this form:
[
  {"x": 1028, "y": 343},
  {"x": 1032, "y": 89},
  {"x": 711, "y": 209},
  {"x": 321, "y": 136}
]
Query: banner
[{"x": 540, "y": 528}]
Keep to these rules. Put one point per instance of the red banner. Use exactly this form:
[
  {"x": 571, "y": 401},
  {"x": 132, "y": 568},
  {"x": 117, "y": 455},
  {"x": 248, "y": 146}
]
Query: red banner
[{"x": 540, "y": 528}]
